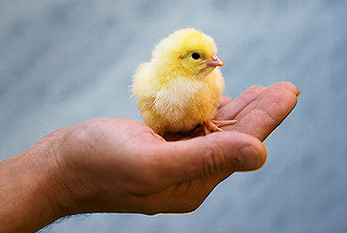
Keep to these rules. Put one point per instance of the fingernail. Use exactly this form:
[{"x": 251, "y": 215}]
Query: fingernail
[{"x": 249, "y": 158}]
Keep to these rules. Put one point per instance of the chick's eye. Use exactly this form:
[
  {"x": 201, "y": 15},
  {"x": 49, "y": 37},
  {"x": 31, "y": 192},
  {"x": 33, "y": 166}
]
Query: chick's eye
[{"x": 196, "y": 56}]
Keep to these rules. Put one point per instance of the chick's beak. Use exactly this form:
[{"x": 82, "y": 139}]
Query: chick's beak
[{"x": 215, "y": 60}]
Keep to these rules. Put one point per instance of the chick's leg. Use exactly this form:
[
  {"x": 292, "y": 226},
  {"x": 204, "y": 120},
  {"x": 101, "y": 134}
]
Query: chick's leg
[
  {"x": 209, "y": 126},
  {"x": 213, "y": 125}
]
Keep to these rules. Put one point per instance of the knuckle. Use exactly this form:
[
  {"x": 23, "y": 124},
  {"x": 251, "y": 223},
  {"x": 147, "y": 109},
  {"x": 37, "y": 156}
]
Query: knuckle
[{"x": 214, "y": 160}]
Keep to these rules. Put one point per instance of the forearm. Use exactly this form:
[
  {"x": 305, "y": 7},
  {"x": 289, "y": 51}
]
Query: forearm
[{"x": 30, "y": 189}]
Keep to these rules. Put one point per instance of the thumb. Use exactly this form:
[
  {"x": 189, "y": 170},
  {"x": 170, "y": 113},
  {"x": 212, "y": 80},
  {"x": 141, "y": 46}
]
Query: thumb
[{"x": 212, "y": 155}]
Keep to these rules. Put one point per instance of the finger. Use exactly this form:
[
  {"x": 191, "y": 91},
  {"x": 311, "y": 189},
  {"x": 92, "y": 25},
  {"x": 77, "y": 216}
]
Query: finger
[
  {"x": 263, "y": 115},
  {"x": 225, "y": 101},
  {"x": 208, "y": 156},
  {"x": 231, "y": 109},
  {"x": 286, "y": 85},
  {"x": 265, "y": 93}
]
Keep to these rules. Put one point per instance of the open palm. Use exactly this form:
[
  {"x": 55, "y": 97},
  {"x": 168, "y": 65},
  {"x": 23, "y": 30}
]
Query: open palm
[{"x": 122, "y": 166}]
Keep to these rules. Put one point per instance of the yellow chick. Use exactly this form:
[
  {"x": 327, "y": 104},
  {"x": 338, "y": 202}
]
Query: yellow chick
[{"x": 181, "y": 87}]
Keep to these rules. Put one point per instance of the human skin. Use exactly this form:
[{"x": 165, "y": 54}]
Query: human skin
[{"x": 121, "y": 166}]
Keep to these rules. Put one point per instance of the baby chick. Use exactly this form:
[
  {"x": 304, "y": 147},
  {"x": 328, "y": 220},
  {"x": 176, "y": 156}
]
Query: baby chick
[{"x": 181, "y": 87}]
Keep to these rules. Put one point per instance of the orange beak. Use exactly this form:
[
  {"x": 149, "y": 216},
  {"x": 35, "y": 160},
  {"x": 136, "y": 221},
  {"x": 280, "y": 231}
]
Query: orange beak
[{"x": 215, "y": 60}]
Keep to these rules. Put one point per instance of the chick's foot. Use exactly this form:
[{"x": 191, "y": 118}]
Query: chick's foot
[
  {"x": 224, "y": 123},
  {"x": 213, "y": 125}
]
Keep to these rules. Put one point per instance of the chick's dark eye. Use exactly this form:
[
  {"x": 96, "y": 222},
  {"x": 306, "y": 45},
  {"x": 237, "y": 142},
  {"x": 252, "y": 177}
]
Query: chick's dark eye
[{"x": 195, "y": 56}]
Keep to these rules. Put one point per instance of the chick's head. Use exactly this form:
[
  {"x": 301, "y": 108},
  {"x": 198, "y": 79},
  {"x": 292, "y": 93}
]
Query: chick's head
[{"x": 187, "y": 52}]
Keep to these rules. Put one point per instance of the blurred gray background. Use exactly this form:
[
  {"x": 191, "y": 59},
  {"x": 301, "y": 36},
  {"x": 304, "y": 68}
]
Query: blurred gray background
[{"x": 65, "y": 62}]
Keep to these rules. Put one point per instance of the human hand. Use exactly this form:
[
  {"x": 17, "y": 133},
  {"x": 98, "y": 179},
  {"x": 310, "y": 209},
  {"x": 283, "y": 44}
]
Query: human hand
[
  {"x": 115, "y": 165},
  {"x": 122, "y": 166}
]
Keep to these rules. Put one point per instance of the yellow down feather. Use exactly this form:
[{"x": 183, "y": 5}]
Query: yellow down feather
[{"x": 178, "y": 89}]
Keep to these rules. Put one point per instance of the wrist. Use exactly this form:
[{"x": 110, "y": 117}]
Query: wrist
[{"x": 32, "y": 191}]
